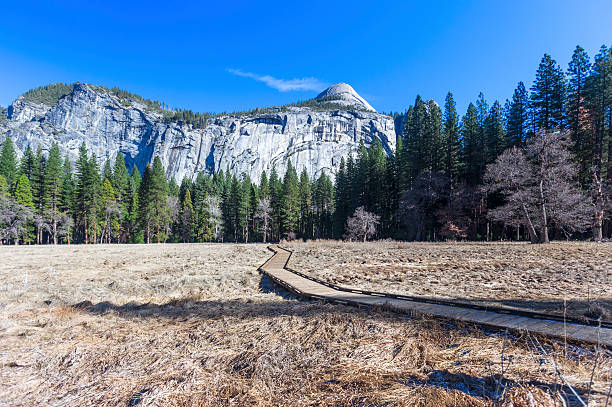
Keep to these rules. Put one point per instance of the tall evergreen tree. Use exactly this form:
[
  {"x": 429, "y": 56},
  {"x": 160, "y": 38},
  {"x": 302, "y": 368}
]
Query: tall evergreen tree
[
  {"x": 22, "y": 192},
  {"x": 548, "y": 95},
  {"x": 85, "y": 194},
  {"x": 8, "y": 161},
  {"x": 186, "y": 218},
  {"x": 52, "y": 189},
  {"x": 433, "y": 142},
  {"x": 578, "y": 72},
  {"x": 67, "y": 188},
  {"x": 290, "y": 208},
  {"x": 452, "y": 142},
  {"x": 4, "y": 187},
  {"x": 495, "y": 133},
  {"x": 470, "y": 131},
  {"x": 599, "y": 103},
  {"x": 276, "y": 196},
  {"x": 342, "y": 196},
  {"x": 264, "y": 187},
  {"x": 305, "y": 196},
  {"x": 27, "y": 163},
  {"x": 37, "y": 181},
  {"x": 518, "y": 116},
  {"x": 244, "y": 207}
]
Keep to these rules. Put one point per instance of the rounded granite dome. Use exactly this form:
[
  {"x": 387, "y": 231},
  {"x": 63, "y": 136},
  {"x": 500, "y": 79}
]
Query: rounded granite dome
[{"x": 344, "y": 94}]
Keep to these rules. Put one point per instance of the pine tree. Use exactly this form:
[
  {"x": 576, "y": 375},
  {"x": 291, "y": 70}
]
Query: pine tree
[
  {"x": 376, "y": 178},
  {"x": 414, "y": 140},
  {"x": 4, "y": 187},
  {"x": 495, "y": 133},
  {"x": 401, "y": 164},
  {"x": 341, "y": 198},
  {"x": 361, "y": 180},
  {"x": 37, "y": 180},
  {"x": 145, "y": 214},
  {"x": 305, "y": 196},
  {"x": 244, "y": 207},
  {"x": 482, "y": 109},
  {"x": 186, "y": 185},
  {"x": 599, "y": 103},
  {"x": 452, "y": 142},
  {"x": 518, "y": 116},
  {"x": 52, "y": 189},
  {"x": 264, "y": 187},
  {"x": 153, "y": 201},
  {"x": 548, "y": 95},
  {"x": 186, "y": 218},
  {"x": 27, "y": 163},
  {"x": 433, "y": 142},
  {"x": 470, "y": 133},
  {"x": 578, "y": 72},
  {"x": 323, "y": 197},
  {"x": 107, "y": 172},
  {"x": 290, "y": 209},
  {"x": 8, "y": 161},
  {"x": 96, "y": 193},
  {"x": 38, "y": 191},
  {"x": 67, "y": 188},
  {"x": 276, "y": 196},
  {"x": 22, "y": 192},
  {"x": 110, "y": 211},
  {"x": 230, "y": 208},
  {"x": 86, "y": 194},
  {"x": 132, "y": 219},
  {"x": 67, "y": 191}
]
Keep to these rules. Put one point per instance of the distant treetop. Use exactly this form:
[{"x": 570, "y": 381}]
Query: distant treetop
[{"x": 49, "y": 94}]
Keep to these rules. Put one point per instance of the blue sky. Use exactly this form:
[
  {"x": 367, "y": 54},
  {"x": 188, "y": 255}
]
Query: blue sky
[{"x": 236, "y": 55}]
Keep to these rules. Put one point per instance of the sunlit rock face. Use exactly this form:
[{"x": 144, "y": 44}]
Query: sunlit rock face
[{"x": 244, "y": 144}]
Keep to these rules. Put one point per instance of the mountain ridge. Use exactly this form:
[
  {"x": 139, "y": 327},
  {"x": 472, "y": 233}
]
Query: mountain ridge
[{"x": 312, "y": 134}]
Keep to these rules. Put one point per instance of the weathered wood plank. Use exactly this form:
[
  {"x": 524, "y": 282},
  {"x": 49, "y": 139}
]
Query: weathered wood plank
[{"x": 275, "y": 267}]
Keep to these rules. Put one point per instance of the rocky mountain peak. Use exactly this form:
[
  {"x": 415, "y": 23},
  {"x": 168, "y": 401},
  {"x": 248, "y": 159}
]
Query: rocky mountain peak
[
  {"x": 344, "y": 94},
  {"x": 112, "y": 121}
]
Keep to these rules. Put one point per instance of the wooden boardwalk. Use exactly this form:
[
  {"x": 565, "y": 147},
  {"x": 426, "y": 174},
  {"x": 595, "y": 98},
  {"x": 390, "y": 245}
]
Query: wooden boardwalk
[{"x": 276, "y": 269}]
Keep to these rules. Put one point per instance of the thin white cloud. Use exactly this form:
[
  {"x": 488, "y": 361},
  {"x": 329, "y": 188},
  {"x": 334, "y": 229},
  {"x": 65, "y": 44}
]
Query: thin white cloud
[{"x": 283, "y": 85}]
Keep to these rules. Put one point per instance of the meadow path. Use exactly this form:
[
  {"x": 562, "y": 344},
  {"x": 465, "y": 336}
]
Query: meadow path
[{"x": 301, "y": 285}]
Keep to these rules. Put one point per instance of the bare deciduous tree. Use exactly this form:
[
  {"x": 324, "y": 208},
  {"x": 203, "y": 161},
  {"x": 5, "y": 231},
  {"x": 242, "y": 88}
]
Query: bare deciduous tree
[
  {"x": 263, "y": 214},
  {"x": 538, "y": 187},
  {"x": 362, "y": 224},
  {"x": 174, "y": 210},
  {"x": 599, "y": 201},
  {"x": 14, "y": 219},
  {"x": 418, "y": 204},
  {"x": 216, "y": 216}
]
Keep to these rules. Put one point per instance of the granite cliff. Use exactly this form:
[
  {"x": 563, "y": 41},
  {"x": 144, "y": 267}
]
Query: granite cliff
[{"x": 313, "y": 135}]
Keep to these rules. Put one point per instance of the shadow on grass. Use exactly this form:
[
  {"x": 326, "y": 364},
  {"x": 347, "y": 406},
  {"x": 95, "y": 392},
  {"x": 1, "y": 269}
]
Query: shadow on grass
[
  {"x": 492, "y": 386},
  {"x": 287, "y": 304}
]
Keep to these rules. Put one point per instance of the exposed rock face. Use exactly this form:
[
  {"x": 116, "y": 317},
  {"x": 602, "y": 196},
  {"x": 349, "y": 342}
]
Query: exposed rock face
[
  {"x": 246, "y": 144},
  {"x": 344, "y": 94}
]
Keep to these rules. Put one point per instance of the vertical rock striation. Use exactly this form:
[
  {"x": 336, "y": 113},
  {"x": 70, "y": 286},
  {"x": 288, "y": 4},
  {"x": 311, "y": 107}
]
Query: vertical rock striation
[{"x": 311, "y": 138}]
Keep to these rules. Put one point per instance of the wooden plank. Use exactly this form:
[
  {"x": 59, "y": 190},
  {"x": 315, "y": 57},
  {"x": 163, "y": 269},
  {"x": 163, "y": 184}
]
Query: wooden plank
[{"x": 275, "y": 267}]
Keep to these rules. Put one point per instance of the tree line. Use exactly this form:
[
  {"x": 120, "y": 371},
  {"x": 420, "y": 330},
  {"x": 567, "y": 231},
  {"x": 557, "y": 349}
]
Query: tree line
[
  {"x": 536, "y": 168},
  {"x": 43, "y": 200}
]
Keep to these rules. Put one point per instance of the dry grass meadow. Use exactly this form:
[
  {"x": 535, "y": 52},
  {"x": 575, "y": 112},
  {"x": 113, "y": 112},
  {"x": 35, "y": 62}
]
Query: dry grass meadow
[
  {"x": 515, "y": 275},
  {"x": 196, "y": 325}
]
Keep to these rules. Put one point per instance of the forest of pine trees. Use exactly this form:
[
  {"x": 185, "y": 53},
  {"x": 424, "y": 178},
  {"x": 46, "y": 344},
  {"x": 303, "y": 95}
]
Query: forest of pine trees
[{"x": 538, "y": 167}]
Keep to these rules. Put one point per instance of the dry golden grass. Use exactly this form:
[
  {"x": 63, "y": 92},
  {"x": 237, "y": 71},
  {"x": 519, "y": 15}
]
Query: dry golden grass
[
  {"x": 516, "y": 275},
  {"x": 195, "y": 325}
]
